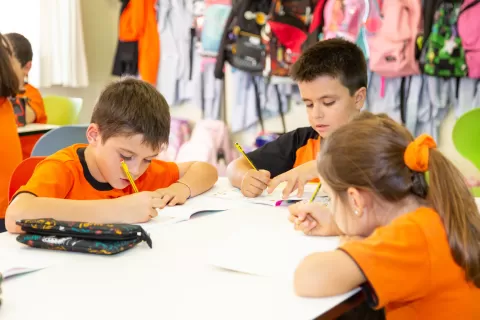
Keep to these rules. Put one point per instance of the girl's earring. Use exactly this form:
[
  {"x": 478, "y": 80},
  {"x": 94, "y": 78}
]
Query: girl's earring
[{"x": 356, "y": 212}]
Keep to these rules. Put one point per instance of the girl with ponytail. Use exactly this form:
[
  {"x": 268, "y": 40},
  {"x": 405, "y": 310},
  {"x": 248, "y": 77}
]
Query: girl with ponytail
[{"x": 420, "y": 253}]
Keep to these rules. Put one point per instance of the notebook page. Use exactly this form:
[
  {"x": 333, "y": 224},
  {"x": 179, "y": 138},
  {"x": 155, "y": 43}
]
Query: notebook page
[{"x": 169, "y": 215}]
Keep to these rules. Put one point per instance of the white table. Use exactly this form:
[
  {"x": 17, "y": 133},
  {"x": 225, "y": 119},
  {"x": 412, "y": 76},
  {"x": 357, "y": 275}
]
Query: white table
[
  {"x": 171, "y": 281},
  {"x": 35, "y": 128}
]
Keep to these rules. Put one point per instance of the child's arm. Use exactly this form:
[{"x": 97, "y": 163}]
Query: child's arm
[
  {"x": 198, "y": 176},
  {"x": 296, "y": 178},
  {"x": 134, "y": 208},
  {"x": 313, "y": 219},
  {"x": 251, "y": 182},
  {"x": 194, "y": 178},
  {"x": 30, "y": 114},
  {"x": 327, "y": 274}
]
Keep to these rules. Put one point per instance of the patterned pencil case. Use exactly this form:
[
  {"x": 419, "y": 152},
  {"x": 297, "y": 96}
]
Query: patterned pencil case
[{"x": 104, "y": 239}]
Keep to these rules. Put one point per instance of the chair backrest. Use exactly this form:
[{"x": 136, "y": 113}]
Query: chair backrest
[
  {"x": 466, "y": 136},
  {"x": 60, "y": 138},
  {"x": 62, "y": 110},
  {"x": 22, "y": 174}
]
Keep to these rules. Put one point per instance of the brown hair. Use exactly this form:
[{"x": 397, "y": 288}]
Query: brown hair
[
  {"x": 9, "y": 83},
  {"x": 368, "y": 153},
  {"x": 337, "y": 58},
  {"x": 21, "y": 47},
  {"x": 130, "y": 106}
]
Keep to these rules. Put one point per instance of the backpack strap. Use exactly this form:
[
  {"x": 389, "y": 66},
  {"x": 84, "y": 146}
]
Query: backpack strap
[
  {"x": 280, "y": 106},
  {"x": 258, "y": 106}
]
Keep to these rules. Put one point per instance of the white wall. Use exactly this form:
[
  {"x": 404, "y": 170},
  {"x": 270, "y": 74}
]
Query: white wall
[{"x": 100, "y": 20}]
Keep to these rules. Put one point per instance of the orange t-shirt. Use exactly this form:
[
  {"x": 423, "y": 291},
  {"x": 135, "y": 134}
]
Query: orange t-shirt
[
  {"x": 35, "y": 101},
  {"x": 411, "y": 272},
  {"x": 10, "y": 152},
  {"x": 65, "y": 175}
]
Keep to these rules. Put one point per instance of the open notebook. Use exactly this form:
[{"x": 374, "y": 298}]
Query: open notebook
[
  {"x": 169, "y": 215},
  {"x": 273, "y": 199}
]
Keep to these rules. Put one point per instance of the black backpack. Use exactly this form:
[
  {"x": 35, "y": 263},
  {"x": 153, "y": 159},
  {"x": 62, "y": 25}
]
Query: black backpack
[{"x": 242, "y": 45}]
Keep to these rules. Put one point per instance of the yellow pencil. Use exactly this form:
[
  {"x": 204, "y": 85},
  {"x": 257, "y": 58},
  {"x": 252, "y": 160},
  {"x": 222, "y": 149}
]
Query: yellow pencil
[
  {"x": 129, "y": 176},
  {"x": 314, "y": 195},
  {"x": 245, "y": 155}
]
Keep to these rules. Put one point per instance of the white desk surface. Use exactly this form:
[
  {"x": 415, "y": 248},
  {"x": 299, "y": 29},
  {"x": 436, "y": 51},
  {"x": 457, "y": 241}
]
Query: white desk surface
[
  {"x": 171, "y": 281},
  {"x": 36, "y": 127}
]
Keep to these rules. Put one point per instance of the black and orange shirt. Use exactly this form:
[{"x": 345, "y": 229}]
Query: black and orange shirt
[
  {"x": 411, "y": 272},
  {"x": 289, "y": 151},
  {"x": 65, "y": 175}
]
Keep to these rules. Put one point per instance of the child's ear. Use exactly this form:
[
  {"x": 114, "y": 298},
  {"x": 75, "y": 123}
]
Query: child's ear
[
  {"x": 93, "y": 134},
  {"x": 27, "y": 67},
  {"x": 360, "y": 97},
  {"x": 358, "y": 200}
]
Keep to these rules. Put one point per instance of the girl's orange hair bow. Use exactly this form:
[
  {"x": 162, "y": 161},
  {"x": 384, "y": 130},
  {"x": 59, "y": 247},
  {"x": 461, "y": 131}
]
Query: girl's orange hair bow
[{"x": 417, "y": 153}]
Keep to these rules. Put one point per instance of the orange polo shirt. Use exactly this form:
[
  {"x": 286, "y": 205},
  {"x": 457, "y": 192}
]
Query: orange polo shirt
[
  {"x": 411, "y": 272},
  {"x": 35, "y": 101},
  {"x": 289, "y": 151},
  {"x": 65, "y": 175},
  {"x": 10, "y": 152}
]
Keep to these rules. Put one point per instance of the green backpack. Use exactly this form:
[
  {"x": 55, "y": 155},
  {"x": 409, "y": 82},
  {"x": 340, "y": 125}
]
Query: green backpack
[{"x": 443, "y": 54}]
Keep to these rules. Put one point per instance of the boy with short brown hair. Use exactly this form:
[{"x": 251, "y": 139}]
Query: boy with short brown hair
[{"x": 130, "y": 122}]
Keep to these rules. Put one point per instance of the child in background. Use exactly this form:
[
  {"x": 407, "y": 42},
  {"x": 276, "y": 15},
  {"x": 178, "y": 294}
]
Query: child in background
[
  {"x": 332, "y": 79},
  {"x": 11, "y": 152},
  {"x": 131, "y": 121},
  {"x": 34, "y": 107},
  {"x": 420, "y": 253}
]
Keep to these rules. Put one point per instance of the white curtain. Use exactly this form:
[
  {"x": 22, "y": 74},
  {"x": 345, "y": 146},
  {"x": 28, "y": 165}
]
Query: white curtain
[{"x": 54, "y": 27}]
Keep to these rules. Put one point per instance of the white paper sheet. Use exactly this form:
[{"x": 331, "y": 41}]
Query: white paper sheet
[
  {"x": 273, "y": 199},
  {"x": 265, "y": 252},
  {"x": 16, "y": 262}
]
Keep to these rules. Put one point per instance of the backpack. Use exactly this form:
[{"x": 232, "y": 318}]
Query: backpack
[
  {"x": 343, "y": 19},
  {"x": 210, "y": 142},
  {"x": 393, "y": 49},
  {"x": 19, "y": 105},
  {"x": 209, "y": 24},
  {"x": 241, "y": 44},
  {"x": 180, "y": 131},
  {"x": 443, "y": 54},
  {"x": 292, "y": 27},
  {"x": 468, "y": 26}
]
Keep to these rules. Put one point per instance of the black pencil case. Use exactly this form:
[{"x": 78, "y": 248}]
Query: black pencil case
[{"x": 104, "y": 239}]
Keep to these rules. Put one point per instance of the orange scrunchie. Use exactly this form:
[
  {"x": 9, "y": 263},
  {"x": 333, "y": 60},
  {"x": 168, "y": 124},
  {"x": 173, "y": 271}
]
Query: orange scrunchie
[{"x": 417, "y": 152}]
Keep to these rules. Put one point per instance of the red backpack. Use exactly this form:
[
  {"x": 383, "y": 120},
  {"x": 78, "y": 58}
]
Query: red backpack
[{"x": 291, "y": 28}]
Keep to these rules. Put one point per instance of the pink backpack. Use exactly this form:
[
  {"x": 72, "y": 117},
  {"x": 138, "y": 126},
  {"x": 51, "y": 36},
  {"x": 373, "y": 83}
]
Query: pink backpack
[
  {"x": 468, "y": 26},
  {"x": 343, "y": 19},
  {"x": 210, "y": 142},
  {"x": 393, "y": 48},
  {"x": 180, "y": 131}
]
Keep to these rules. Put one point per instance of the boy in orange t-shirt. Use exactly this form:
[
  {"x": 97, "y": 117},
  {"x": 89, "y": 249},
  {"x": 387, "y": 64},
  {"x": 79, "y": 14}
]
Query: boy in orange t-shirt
[
  {"x": 414, "y": 247},
  {"x": 34, "y": 107},
  {"x": 130, "y": 122}
]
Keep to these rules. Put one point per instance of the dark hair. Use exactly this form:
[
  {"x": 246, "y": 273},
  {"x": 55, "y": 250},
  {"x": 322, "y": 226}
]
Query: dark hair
[
  {"x": 130, "y": 106},
  {"x": 9, "y": 82},
  {"x": 375, "y": 161},
  {"x": 337, "y": 58},
  {"x": 22, "y": 49}
]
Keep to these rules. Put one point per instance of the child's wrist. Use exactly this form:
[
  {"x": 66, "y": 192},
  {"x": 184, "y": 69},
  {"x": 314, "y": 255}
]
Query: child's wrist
[{"x": 188, "y": 187}]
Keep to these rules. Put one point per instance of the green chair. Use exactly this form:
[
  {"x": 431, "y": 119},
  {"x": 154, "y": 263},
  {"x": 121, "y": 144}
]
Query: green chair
[
  {"x": 466, "y": 138},
  {"x": 62, "y": 110}
]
